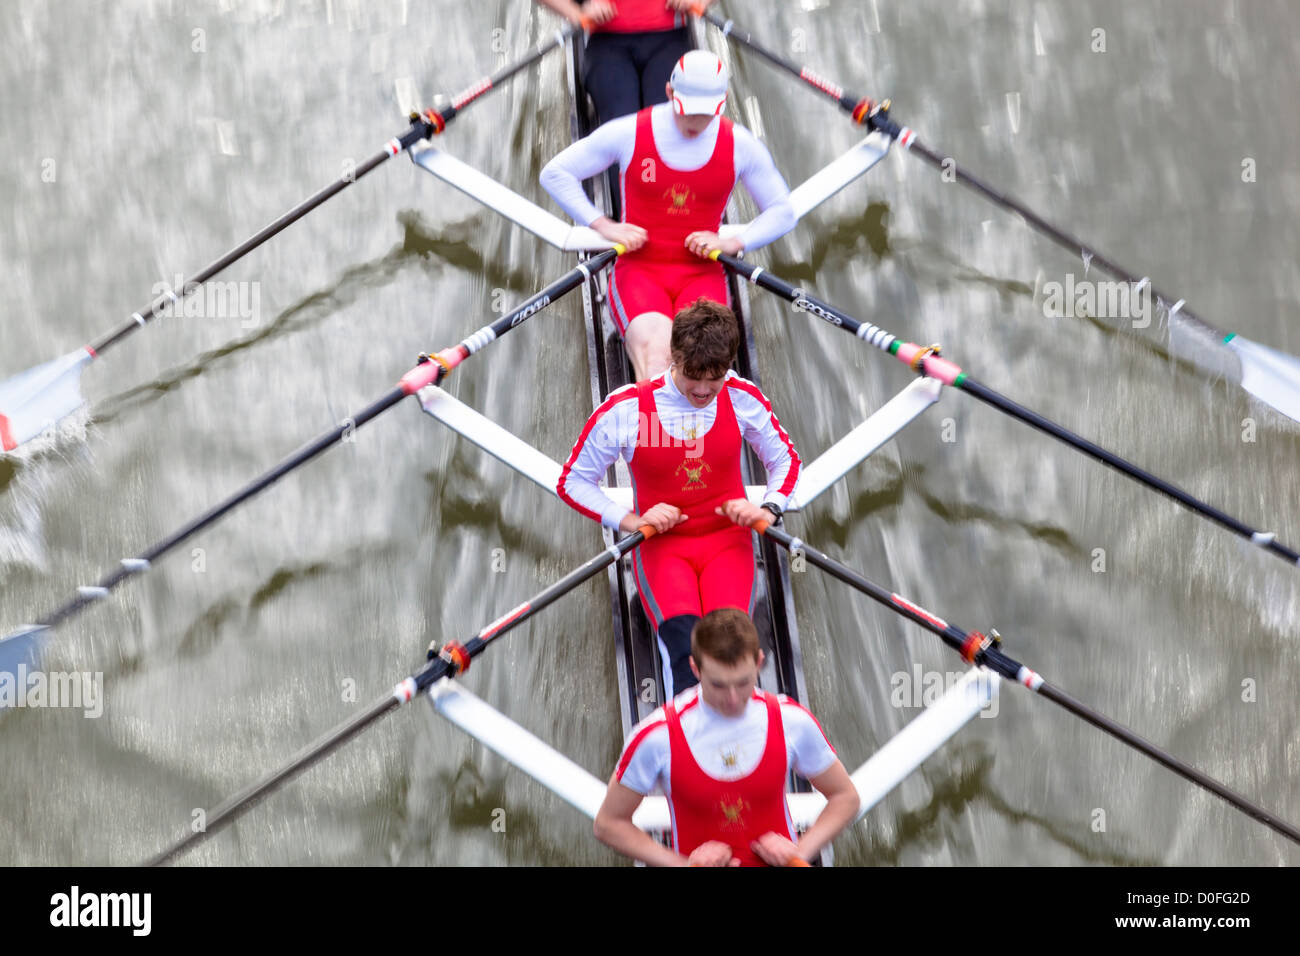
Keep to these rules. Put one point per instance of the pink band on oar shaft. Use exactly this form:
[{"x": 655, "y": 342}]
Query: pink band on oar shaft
[
  {"x": 6, "y": 435},
  {"x": 936, "y": 366},
  {"x": 426, "y": 373}
]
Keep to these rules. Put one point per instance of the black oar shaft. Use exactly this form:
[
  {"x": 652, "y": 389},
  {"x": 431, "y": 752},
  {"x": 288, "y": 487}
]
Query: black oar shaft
[
  {"x": 847, "y": 101},
  {"x": 977, "y": 649},
  {"x": 472, "y": 93},
  {"x": 229, "y": 810},
  {"x": 448, "y": 665},
  {"x": 160, "y": 304},
  {"x": 863, "y": 112},
  {"x": 1168, "y": 760},
  {"x": 888, "y": 342},
  {"x": 1072, "y": 243},
  {"x": 952, "y": 636},
  {"x": 428, "y": 373},
  {"x": 561, "y": 286},
  {"x": 431, "y": 122},
  {"x": 214, "y": 514},
  {"x": 1263, "y": 539}
]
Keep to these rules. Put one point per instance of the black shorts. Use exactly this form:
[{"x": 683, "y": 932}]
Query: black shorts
[{"x": 626, "y": 72}]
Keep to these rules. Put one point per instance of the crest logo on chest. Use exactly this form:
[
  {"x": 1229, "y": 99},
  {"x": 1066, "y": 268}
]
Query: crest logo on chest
[
  {"x": 732, "y": 812},
  {"x": 694, "y": 475},
  {"x": 679, "y": 197}
]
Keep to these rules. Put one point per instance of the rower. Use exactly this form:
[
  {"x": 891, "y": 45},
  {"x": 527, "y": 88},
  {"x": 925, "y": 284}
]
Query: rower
[
  {"x": 631, "y": 50},
  {"x": 721, "y": 753},
  {"x": 678, "y": 163},
  {"x": 680, "y": 434}
]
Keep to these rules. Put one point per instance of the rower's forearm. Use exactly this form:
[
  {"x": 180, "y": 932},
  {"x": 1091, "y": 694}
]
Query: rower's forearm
[
  {"x": 840, "y": 811},
  {"x": 769, "y": 225},
  {"x": 565, "y": 187},
  {"x": 627, "y": 838}
]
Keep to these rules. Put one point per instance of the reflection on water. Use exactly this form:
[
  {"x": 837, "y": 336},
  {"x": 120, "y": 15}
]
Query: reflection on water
[{"x": 318, "y": 596}]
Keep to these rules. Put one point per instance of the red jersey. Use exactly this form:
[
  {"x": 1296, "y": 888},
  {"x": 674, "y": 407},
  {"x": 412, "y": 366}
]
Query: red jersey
[
  {"x": 736, "y": 812},
  {"x": 670, "y": 203},
  {"x": 695, "y": 476},
  {"x": 643, "y": 16}
]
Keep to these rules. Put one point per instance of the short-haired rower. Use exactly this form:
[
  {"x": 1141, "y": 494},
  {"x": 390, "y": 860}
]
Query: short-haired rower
[
  {"x": 721, "y": 753},
  {"x": 681, "y": 435}
]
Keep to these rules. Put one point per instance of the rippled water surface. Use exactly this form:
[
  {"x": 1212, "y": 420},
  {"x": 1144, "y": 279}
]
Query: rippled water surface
[{"x": 144, "y": 138}]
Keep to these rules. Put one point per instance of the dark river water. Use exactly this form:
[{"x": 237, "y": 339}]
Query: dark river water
[{"x": 141, "y": 139}]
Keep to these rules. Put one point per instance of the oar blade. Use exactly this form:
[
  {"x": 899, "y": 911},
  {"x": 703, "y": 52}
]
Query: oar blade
[
  {"x": 1271, "y": 376},
  {"x": 36, "y": 400},
  {"x": 19, "y": 656}
]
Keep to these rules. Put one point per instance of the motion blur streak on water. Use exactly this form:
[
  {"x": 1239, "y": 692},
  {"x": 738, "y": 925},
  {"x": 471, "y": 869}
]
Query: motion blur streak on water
[{"x": 142, "y": 139}]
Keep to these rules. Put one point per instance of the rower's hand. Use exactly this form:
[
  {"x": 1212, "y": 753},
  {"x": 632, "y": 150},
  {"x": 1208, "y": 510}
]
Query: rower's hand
[
  {"x": 713, "y": 853},
  {"x": 744, "y": 512},
  {"x": 703, "y": 242},
  {"x": 774, "y": 849},
  {"x": 633, "y": 237},
  {"x": 599, "y": 11},
  {"x": 663, "y": 517}
]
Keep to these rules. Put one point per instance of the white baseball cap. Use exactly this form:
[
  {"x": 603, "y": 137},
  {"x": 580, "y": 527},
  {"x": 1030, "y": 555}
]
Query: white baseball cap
[{"x": 699, "y": 84}]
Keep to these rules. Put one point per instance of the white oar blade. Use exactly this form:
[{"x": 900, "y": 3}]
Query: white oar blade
[
  {"x": 37, "y": 399},
  {"x": 1271, "y": 376},
  {"x": 19, "y": 656}
]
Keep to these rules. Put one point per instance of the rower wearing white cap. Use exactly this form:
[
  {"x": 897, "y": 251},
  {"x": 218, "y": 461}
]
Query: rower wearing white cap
[{"x": 678, "y": 163}]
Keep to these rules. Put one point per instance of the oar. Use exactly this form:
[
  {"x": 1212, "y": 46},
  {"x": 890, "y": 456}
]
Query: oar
[
  {"x": 928, "y": 361},
  {"x": 981, "y": 651},
  {"x": 20, "y": 648},
  {"x": 1270, "y": 375},
  {"x": 32, "y": 401},
  {"x": 452, "y": 661}
]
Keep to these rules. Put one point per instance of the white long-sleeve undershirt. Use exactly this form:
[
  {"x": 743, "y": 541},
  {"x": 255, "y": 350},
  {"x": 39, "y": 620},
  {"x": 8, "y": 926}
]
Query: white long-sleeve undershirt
[
  {"x": 612, "y": 433},
  {"x": 615, "y": 141}
]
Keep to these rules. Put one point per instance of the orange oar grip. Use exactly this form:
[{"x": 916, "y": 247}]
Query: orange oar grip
[
  {"x": 648, "y": 531},
  {"x": 587, "y": 24},
  {"x": 795, "y": 861},
  {"x": 761, "y": 525}
]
